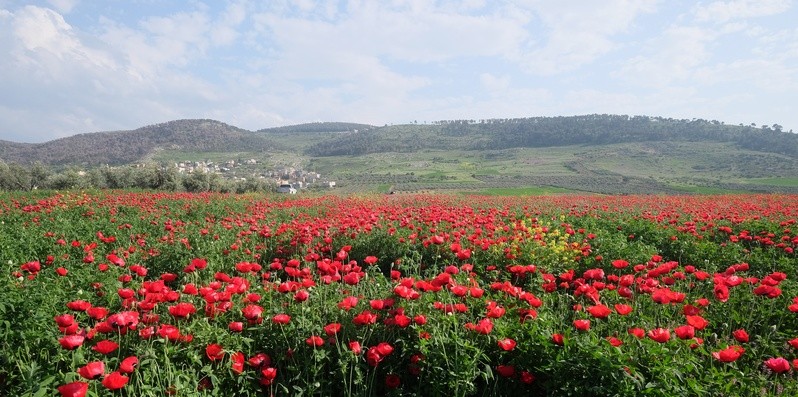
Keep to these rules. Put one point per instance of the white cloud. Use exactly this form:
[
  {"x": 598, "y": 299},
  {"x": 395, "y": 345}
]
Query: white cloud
[
  {"x": 44, "y": 29},
  {"x": 44, "y": 45},
  {"x": 63, "y": 6},
  {"x": 225, "y": 30},
  {"x": 258, "y": 64},
  {"x": 668, "y": 59},
  {"x": 722, "y": 11},
  {"x": 493, "y": 83},
  {"x": 751, "y": 74},
  {"x": 578, "y": 33},
  {"x": 416, "y": 32}
]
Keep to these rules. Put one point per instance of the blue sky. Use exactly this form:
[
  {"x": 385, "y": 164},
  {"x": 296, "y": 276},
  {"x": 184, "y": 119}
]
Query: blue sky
[{"x": 72, "y": 66}]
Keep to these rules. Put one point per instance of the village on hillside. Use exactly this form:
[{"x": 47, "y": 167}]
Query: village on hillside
[{"x": 286, "y": 179}]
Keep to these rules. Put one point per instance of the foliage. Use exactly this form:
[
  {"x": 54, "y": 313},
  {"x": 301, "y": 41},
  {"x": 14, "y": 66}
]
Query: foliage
[
  {"x": 128, "y": 147},
  {"x": 222, "y": 294}
]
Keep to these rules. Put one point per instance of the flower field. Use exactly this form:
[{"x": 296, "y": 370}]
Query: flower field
[{"x": 153, "y": 294}]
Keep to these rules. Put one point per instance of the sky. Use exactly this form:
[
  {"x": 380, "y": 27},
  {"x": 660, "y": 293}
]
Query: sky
[{"x": 76, "y": 66}]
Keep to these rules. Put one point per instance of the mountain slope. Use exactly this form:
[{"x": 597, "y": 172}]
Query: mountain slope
[
  {"x": 539, "y": 132},
  {"x": 124, "y": 147},
  {"x": 592, "y": 153}
]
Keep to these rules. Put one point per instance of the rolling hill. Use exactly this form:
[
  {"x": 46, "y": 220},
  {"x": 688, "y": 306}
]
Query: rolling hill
[
  {"x": 126, "y": 147},
  {"x": 593, "y": 153}
]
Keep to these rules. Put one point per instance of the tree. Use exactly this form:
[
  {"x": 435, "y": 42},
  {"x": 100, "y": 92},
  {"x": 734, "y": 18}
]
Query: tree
[
  {"x": 14, "y": 177},
  {"x": 168, "y": 178},
  {"x": 68, "y": 179},
  {"x": 197, "y": 181},
  {"x": 38, "y": 175}
]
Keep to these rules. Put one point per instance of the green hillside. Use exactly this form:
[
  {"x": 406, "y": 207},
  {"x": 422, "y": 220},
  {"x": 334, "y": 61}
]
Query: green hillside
[{"x": 605, "y": 154}]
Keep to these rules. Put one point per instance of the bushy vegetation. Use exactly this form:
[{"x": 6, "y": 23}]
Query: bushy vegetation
[
  {"x": 14, "y": 177},
  {"x": 595, "y": 129}
]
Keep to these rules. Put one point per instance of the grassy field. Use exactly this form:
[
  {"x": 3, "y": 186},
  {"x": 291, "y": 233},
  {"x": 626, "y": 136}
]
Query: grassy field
[
  {"x": 523, "y": 191},
  {"x": 783, "y": 181},
  {"x": 632, "y": 168}
]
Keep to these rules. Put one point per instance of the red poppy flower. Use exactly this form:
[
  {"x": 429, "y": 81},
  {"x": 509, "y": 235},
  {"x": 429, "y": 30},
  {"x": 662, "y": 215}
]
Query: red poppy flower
[
  {"x": 146, "y": 333},
  {"x": 182, "y": 310},
  {"x": 352, "y": 278},
  {"x": 354, "y": 346},
  {"x": 698, "y": 322},
  {"x": 105, "y": 346},
  {"x": 392, "y": 381},
  {"x": 614, "y": 341},
  {"x": 527, "y": 377},
  {"x": 97, "y": 312},
  {"x": 506, "y": 344},
  {"x": 92, "y": 370},
  {"x": 721, "y": 292},
  {"x": 582, "y": 324},
  {"x": 74, "y": 389},
  {"x": 252, "y": 313},
  {"x": 599, "y": 311},
  {"x": 78, "y": 305},
  {"x": 237, "y": 362},
  {"x": 127, "y": 319},
  {"x": 190, "y": 289},
  {"x": 690, "y": 310},
  {"x": 778, "y": 365},
  {"x": 558, "y": 339},
  {"x": 259, "y": 360},
  {"x": 406, "y": 292},
  {"x": 401, "y": 321},
  {"x": 767, "y": 290},
  {"x": 314, "y": 341},
  {"x": 373, "y": 357},
  {"x": 660, "y": 335},
  {"x": 484, "y": 326},
  {"x": 236, "y": 326},
  {"x": 638, "y": 333},
  {"x": 348, "y": 303},
  {"x": 364, "y": 318},
  {"x": 169, "y": 332},
  {"x": 729, "y": 354},
  {"x": 459, "y": 290},
  {"x": 301, "y": 295},
  {"x": 214, "y": 352},
  {"x": 125, "y": 293},
  {"x": 64, "y": 320},
  {"x": 623, "y": 309},
  {"x": 384, "y": 348},
  {"x": 377, "y": 304},
  {"x": 281, "y": 319},
  {"x": 506, "y": 371},
  {"x": 267, "y": 375},
  {"x": 685, "y": 332},
  {"x": 620, "y": 263},
  {"x": 114, "y": 381},
  {"x": 128, "y": 365},
  {"x": 740, "y": 335}
]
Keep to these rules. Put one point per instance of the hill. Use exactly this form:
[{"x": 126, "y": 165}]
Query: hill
[
  {"x": 536, "y": 132},
  {"x": 609, "y": 154},
  {"x": 126, "y": 147},
  {"x": 318, "y": 128}
]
